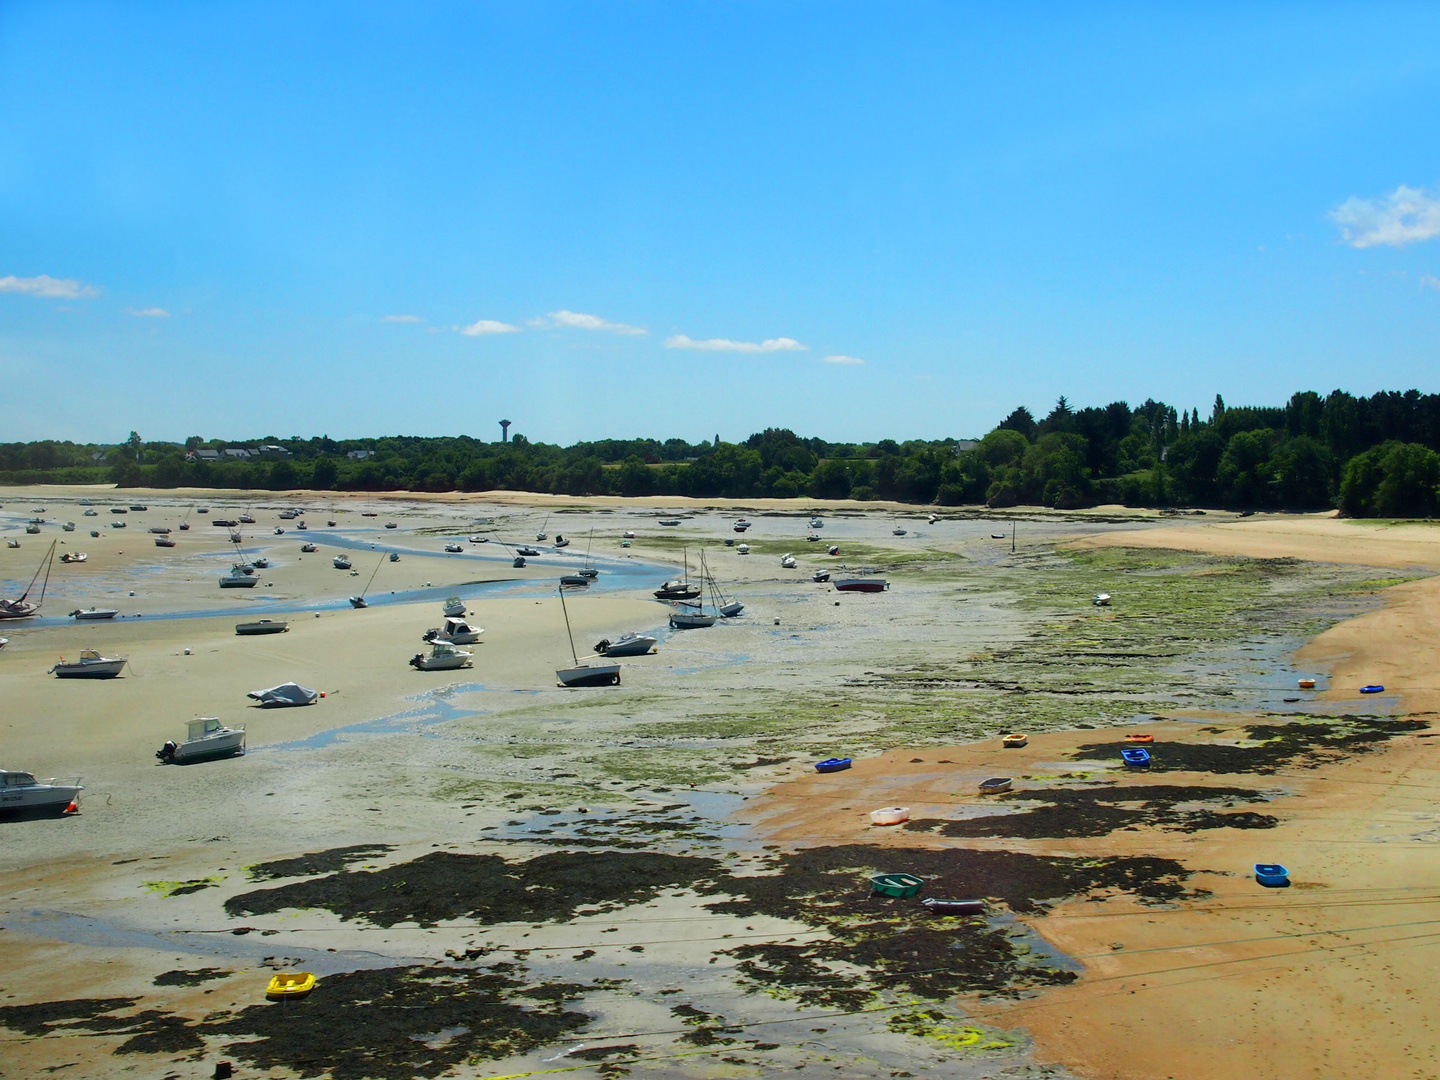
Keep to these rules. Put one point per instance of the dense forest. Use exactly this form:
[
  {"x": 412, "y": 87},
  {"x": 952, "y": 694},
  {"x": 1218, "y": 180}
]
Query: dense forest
[{"x": 1370, "y": 457}]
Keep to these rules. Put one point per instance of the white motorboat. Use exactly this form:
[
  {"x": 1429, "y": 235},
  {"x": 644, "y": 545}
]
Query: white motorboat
[
  {"x": 743, "y": 549},
  {"x": 528, "y": 552},
  {"x": 443, "y": 657},
  {"x": 391, "y": 525},
  {"x": 279, "y": 531},
  {"x": 1101, "y": 599},
  {"x": 821, "y": 575},
  {"x": 834, "y": 549},
  {"x": 625, "y": 645},
  {"x": 670, "y": 522},
  {"x": 91, "y": 513},
  {"x": 308, "y": 548},
  {"x": 629, "y": 534},
  {"x": 574, "y": 581},
  {"x": 478, "y": 539},
  {"x": 205, "y": 738},
  {"x": 816, "y": 523},
  {"x": 93, "y": 614},
  {"x": 159, "y": 529},
  {"x": 69, "y": 526},
  {"x": 21, "y": 795},
  {"x": 788, "y": 562},
  {"x": 245, "y": 519},
  {"x": 341, "y": 562},
  {"x": 91, "y": 665},
  {"x": 72, "y": 556},
  {"x": 4, "y": 641},
  {"x": 561, "y": 542},
  {"x": 33, "y": 529},
  {"x": 453, "y": 549},
  {"x": 454, "y": 607},
  {"x": 11, "y": 542},
  {"x": 456, "y": 631},
  {"x": 933, "y": 519},
  {"x": 165, "y": 542},
  {"x": 813, "y": 538},
  {"x": 261, "y": 563}
]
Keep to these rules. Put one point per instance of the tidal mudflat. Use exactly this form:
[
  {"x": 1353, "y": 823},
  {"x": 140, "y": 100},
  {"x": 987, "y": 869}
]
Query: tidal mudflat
[{"x": 494, "y": 876}]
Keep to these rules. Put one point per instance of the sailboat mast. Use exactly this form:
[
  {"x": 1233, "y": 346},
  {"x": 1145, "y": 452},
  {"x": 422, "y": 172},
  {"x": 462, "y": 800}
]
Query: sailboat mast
[
  {"x": 573, "y": 658},
  {"x": 372, "y": 577},
  {"x": 45, "y": 565}
]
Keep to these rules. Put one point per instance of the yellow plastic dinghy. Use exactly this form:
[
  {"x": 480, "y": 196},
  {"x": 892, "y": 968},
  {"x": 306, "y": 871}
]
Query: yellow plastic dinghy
[{"x": 290, "y": 984}]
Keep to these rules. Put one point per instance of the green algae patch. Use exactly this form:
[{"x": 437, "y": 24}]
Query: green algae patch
[
  {"x": 936, "y": 1026},
  {"x": 183, "y": 888},
  {"x": 317, "y": 862}
]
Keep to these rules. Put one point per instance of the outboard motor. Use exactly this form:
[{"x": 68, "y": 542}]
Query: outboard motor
[
  {"x": 602, "y": 646},
  {"x": 416, "y": 660},
  {"x": 431, "y": 634},
  {"x": 166, "y": 753}
]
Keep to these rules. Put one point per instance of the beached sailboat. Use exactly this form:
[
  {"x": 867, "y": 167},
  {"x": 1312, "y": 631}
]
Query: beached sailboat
[
  {"x": 680, "y": 588},
  {"x": 726, "y": 607},
  {"x": 584, "y": 674},
  {"x": 359, "y": 601},
  {"x": 21, "y": 607},
  {"x": 681, "y": 619},
  {"x": 542, "y": 534},
  {"x": 588, "y": 570}
]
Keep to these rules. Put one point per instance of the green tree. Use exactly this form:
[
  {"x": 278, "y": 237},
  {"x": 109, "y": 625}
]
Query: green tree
[{"x": 1393, "y": 479}]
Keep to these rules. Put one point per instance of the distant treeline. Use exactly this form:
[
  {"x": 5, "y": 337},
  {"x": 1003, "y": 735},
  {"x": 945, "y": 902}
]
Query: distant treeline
[{"x": 1374, "y": 456}]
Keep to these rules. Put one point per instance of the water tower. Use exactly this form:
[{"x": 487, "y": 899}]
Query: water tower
[{"x": 504, "y": 430}]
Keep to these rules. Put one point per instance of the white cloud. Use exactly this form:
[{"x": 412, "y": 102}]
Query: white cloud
[
  {"x": 488, "y": 326},
  {"x": 578, "y": 321},
  {"x": 149, "y": 312},
  {"x": 1430, "y": 281},
  {"x": 839, "y": 358},
  {"x": 779, "y": 344},
  {"x": 402, "y": 318},
  {"x": 1404, "y": 216},
  {"x": 45, "y": 285}
]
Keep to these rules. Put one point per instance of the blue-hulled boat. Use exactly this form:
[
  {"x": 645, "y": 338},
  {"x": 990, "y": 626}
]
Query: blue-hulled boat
[
  {"x": 833, "y": 764},
  {"x": 1272, "y": 875},
  {"x": 1136, "y": 757},
  {"x": 1373, "y": 688}
]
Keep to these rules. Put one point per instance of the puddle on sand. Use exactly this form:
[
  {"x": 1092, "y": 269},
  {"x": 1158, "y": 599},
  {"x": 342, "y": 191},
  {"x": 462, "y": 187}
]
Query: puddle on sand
[
  {"x": 436, "y": 708},
  {"x": 246, "y": 949}
]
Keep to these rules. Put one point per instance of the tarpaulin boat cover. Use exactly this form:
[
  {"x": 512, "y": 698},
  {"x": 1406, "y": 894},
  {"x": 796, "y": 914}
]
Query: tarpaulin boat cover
[{"x": 285, "y": 694}]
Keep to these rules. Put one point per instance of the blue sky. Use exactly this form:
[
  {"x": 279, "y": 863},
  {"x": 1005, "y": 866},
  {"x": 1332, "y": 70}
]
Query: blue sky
[{"x": 670, "y": 219}]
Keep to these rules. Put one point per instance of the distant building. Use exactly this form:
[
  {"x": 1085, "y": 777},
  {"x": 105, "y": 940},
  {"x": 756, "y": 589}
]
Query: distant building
[
  {"x": 961, "y": 445},
  {"x": 203, "y": 453},
  {"x": 271, "y": 452},
  {"x": 237, "y": 453},
  {"x": 359, "y": 455}
]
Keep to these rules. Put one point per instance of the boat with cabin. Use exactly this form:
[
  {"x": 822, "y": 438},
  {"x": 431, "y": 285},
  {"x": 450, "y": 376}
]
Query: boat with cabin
[
  {"x": 442, "y": 657},
  {"x": 261, "y": 626},
  {"x": 91, "y": 665},
  {"x": 454, "y": 606},
  {"x": 341, "y": 562},
  {"x": 456, "y": 631},
  {"x": 205, "y": 738},
  {"x": 21, "y": 795}
]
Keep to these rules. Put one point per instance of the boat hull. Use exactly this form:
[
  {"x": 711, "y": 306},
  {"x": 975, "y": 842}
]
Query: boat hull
[
  {"x": 94, "y": 615},
  {"x": 238, "y": 582},
  {"x": 104, "y": 669},
  {"x": 681, "y": 621},
  {"x": 264, "y": 626},
  {"x": 230, "y": 744},
  {"x": 861, "y": 585},
  {"x": 629, "y": 646},
  {"x": 596, "y": 675}
]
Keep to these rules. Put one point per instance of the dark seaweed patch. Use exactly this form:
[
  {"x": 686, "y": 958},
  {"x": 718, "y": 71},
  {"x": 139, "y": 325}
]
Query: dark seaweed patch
[
  {"x": 903, "y": 946},
  {"x": 1303, "y": 745},
  {"x": 1099, "y": 811},
  {"x": 190, "y": 978},
  {"x": 363, "y": 1024},
  {"x": 318, "y": 862},
  {"x": 150, "y": 1031},
  {"x": 445, "y": 885}
]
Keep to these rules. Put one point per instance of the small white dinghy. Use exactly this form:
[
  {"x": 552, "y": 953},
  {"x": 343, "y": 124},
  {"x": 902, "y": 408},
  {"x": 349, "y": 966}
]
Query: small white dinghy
[
  {"x": 788, "y": 562},
  {"x": 205, "y": 738},
  {"x": 1101, "y": 599},
  {"x": 91, "y": 665},
  {"x": 890, "y": 815},
  {"x": 454, "y": 607},
  {"x": 21, "y": 795}
]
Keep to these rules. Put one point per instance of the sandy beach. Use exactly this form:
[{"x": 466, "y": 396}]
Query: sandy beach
[{"x": 678, "y": 892}]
